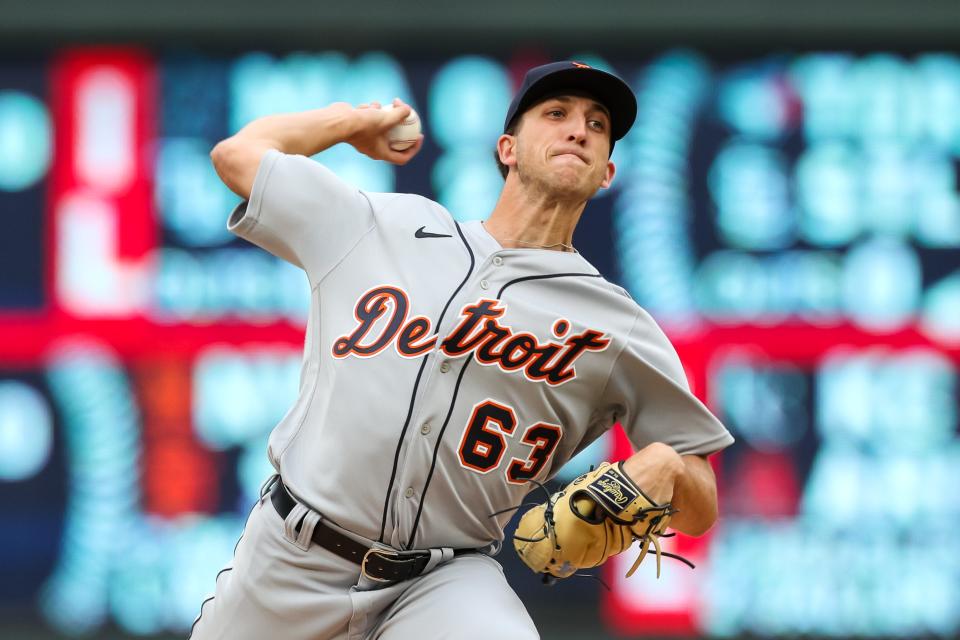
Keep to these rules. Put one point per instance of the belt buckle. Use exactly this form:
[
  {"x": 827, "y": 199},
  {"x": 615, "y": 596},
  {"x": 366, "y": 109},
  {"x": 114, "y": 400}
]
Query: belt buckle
[{"x": 388, "y": 553}]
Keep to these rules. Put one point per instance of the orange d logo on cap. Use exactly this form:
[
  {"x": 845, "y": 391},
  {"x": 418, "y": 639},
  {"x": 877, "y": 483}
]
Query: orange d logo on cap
[{"x": 580, "y": 65}]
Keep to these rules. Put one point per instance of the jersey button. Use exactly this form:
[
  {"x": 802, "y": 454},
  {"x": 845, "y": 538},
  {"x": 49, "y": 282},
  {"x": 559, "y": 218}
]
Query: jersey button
[
  {"x": 444, "y": 366},
  {"x": 497, "y": 260},
  {"x": 409, "y": 492},
  {"x": 484, "y": 284},
  {"x": 425, "y": 429}
]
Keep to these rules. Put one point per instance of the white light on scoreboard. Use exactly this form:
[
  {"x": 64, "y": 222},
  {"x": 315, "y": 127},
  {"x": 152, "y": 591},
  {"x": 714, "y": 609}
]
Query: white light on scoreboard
[
  {"x": 90, "y": 280},
  {"x": 106, "y": 124}
]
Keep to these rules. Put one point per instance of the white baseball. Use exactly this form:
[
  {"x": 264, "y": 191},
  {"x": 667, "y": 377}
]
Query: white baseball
[{"x": 404, "y": 135}]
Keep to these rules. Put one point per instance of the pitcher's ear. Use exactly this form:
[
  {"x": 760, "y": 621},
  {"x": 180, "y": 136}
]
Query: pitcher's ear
[
  {"x": 611, "y": 171},
  {"x": 507, "y": 149}
]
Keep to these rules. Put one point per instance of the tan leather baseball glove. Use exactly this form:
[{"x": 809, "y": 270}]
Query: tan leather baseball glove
[{"x": 596, "y": 516}]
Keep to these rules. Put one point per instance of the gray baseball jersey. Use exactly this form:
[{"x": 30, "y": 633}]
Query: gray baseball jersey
[{"x": 442, "y": 371}]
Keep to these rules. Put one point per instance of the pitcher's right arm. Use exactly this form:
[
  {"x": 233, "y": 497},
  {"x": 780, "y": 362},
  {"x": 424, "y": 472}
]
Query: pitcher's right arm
[{"x": 307, "y": 133}]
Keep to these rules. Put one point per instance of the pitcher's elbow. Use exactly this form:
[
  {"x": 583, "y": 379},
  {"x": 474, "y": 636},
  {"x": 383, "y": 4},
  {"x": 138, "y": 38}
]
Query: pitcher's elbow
[
  {"x": 220, "y": 156},
  {"x": 235, "y": 165}
]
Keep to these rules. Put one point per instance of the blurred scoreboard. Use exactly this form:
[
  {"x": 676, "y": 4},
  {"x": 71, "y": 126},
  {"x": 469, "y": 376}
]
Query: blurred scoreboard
[{"x": 792, "y": 221}]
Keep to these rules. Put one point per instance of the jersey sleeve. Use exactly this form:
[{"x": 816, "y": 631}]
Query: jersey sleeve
[
  {"x": 649, "y": 394},
  {"x": 300, "y": 211}
]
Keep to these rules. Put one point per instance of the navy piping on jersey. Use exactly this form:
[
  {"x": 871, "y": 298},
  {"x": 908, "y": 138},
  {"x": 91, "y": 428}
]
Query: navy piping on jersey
[
  {"x": 544, "y": 277},
  {"x": 456, "y": 389},
  {"x": 436, "y": 450},
  {"x": 416, "y": 384}
]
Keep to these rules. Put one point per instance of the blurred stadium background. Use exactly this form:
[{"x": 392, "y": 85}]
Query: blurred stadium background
[{"x": 786, "y": 206}]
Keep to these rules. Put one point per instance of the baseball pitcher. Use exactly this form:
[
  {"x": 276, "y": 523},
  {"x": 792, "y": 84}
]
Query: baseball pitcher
[{"x": 449, "y": 368}]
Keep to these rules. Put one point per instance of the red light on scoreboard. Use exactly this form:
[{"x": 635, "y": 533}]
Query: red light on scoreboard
[
  {"x": 179, "y": 474},
  {"x": 102, "y": 229}
]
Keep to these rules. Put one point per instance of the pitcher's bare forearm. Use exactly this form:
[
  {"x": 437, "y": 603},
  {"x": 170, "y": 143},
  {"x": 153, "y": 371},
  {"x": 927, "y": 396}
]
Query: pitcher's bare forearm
[
  {"x": 307, "y": 133},
  {"x": 685, "y": 481},
  {"x": 237, "y": 158},
  {"x": 695, "y": 497}
]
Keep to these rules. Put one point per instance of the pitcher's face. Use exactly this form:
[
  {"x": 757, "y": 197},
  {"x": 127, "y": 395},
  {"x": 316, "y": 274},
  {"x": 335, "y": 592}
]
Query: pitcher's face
[{"x": 562, "y": 146}]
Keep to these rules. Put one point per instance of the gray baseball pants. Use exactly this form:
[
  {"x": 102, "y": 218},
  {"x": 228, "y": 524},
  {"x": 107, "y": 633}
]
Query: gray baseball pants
[{"x": 281, "y": 586}]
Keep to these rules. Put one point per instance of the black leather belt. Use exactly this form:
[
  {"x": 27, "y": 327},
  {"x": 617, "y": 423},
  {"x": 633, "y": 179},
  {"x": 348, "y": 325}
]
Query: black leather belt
[{"x": 380, "y": 565}]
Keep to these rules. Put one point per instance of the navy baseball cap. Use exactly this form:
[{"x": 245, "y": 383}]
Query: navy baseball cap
[{"x": 553, "y": 79}]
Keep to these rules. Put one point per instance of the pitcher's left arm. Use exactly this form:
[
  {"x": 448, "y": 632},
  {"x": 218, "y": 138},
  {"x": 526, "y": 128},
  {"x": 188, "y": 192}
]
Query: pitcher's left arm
[{"x": 686, "y": 481}]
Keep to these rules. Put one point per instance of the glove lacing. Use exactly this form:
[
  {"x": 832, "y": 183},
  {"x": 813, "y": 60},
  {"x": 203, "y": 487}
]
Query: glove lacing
[
  {"x": 651, "y": 536},
  {"x": 647, "y": 538}
]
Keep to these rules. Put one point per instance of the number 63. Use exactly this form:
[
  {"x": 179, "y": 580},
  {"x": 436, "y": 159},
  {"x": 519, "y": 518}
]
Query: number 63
[{"x": 484, "y": 442}]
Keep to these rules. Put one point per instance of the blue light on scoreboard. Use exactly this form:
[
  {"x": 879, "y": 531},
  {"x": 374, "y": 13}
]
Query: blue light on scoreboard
[
  {"x": 840, "y": 554},
  {"x": 26, "y": 144}
]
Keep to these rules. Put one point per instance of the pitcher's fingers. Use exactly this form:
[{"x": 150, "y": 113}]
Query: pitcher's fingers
[
  {"x": 397, "y": 115},
  {"x": 403, "y": 157}
]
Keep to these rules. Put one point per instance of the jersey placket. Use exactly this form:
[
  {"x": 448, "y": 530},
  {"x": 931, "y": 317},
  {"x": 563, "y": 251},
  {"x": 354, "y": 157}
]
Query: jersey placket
[{"x": 436, "y": 398}]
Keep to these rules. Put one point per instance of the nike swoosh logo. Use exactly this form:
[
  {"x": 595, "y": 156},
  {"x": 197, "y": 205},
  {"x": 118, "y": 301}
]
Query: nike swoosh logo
[{"x": 426, "y": 234}]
